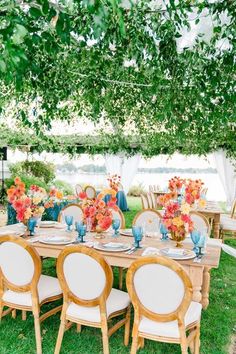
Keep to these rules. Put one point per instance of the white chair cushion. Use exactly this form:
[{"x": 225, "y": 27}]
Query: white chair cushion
[
  {"x": 170, "y": 329},
  {"x": 116, "y": 301},
  {"x": 227, "y": 223},
  {"x": 47, "y": 287}
]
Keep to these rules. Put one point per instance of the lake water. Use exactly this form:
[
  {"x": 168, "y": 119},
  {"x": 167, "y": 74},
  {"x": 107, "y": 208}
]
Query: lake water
[{"x": 211, "y": 180}]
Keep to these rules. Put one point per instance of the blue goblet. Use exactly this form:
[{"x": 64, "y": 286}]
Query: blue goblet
[
  {"x": 31, "y": 225},
  {"x": 195, "y": 237},
  {"x": 137, "y": 232},
  {"x": 69, "y": 222},
  {"x": 82, "y": 232},
  {"x": 201, "y": 244},
  {"x": 164, "y": 232},
  {"x": 116, "y": 226}
]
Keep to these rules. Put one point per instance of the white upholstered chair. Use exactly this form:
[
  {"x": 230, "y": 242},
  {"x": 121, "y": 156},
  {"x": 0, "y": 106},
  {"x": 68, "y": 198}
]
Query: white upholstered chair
[
  {"x": 144, "y": 201},
  {"x": 150, "y": 219},
  {"x": 117, "y": 214},
  {"x": 74, "y": 210},
  {"x": 149, "y": 198},
  {"x": 22, "y": 286},
  {"x": 163, "y": 309},
  {"x": 200, "y": 222},
  {"x": 78, "y": 189},
  {"x": 154, "y": 200},
  {"x": 89, "y": 299},
  {"x": 228, "y": 222},
  {"x": 90, "y": 191}
]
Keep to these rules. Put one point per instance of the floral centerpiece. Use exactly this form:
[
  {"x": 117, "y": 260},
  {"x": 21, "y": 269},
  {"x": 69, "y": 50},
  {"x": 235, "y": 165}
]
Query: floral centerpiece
[
  {"x": 26, "y": 204},
  {"x": 114, "y": 181},
  {"x": 98, "y": 211},
  {"x": 55, "y": 196},
  {"x": 178, "y": 203}
]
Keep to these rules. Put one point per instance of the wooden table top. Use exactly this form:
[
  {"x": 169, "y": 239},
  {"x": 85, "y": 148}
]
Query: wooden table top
[{"x": 210, "y": 259}]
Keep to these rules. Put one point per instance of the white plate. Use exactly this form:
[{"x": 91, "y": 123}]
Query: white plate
[
  {"x": 126, "y": 232},
  {"x": 47, "y": 223},
  {"x": 101, "y": 247},
  {"x": 56, "y": 240},
  {"x": 188, "y": 254},
  {"x": 11, "y": 232}
]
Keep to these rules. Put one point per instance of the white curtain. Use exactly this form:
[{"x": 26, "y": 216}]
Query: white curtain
[
  {"x": 227, "y": 175},
  {"x": 124, "y": 166}
]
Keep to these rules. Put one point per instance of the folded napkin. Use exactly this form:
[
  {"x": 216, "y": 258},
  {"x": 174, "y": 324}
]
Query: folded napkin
[
  {"x": 179, "y": 252},
  {"x": 151, "y": 251}
]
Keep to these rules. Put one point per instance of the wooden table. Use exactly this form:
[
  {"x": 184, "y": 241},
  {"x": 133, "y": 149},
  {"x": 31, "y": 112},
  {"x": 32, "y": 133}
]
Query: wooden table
[{"x": 198, "y": 272}]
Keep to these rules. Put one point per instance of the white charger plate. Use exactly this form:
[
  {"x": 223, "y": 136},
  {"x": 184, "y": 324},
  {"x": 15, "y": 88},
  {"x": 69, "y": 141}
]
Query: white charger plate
[
  {"x": 188, "y": 254},
  {"x": 126, "y": 232},
  {"x": 56, "y": 241},
  {"x": 102, "y": 247}
]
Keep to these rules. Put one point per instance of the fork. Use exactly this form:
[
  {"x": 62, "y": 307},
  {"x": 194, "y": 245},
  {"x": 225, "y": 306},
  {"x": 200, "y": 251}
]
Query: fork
[{"x": 131, "y": 250}]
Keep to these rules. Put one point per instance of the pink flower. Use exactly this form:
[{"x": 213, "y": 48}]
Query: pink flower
[
  {"x": 105, "y": 222},
  {"x": 82, "y": 195}
]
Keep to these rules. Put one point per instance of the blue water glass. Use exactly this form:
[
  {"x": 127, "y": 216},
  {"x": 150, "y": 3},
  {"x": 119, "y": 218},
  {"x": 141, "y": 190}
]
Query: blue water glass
[
  {"x": 77, "y": 225},
  {"x": 69, "y": 222},
  {"x": 137, "y": 232},
  {"x": 31, "y": 225},
  {"x": 164, "y": 232},
  {"x": 195, "y": 237},
  {"x": 201, "y": 244},
  {"x": 82, "y": 232},
  {"x": 116, "y": 226}
]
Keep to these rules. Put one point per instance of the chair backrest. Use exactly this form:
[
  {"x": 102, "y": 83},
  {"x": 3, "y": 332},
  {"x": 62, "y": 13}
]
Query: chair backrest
[
  {"x": 150, "y": 218},
  {"x": 74, "y": 210},
  {"x": 85, "y": 277},
  {"x": 144, "y": 201},
  {"x": 200, "y": 222},
  {"x": 233, "y": 210},
  {"x": 20, "y": 265},
  {"x": 159, "y": 288},
  {"x": 90, "y": 191},
  {"x": 149, "y": 198},
  {"x": 78, "y": 189},
  {"x": 117, "y": 214},
  {"x": 154, "y": 200},
  {"x": 150, "y": 188}
]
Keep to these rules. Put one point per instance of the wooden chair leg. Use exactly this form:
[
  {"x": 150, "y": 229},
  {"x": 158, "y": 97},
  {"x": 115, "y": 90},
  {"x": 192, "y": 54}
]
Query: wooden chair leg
[
  {"x": 60, "y": 336},
  {"x": 134, "y": 346},
  {"x": 78, "y": 328},
  {"x": 13, "y": 314},
  {"x": 127, "y": 327},
  {"x": 105, "y": 337},
  {"x": 37, "y": 333},
  {"x": 141, "y": 342},
  {"x": 1, "y": 310},
  {"x": 197, "y": 342},
  {"x": 23, "y": 315},
  {"x": 120, "y": 277}
]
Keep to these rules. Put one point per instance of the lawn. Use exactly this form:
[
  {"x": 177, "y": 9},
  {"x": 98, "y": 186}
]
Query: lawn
[{"x": 217, "y": 325}]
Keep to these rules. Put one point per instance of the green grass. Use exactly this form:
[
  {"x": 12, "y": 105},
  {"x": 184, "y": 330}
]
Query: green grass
[{"x": 217, "y": 325}]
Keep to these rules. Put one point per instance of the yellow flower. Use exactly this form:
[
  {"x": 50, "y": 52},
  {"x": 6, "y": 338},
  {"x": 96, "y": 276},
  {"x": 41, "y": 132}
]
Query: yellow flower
[
  {"x": 177, "y": 221},
  {"x": 202, "y": 203},
  {"x": 185, "y": 208},
  {"x": 37, "y": 200},
  {"x": 28, "y": 213},
  {"x": 41, "y": 210}
]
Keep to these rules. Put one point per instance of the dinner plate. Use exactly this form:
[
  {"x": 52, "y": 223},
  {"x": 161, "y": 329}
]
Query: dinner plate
[
  {"x": 56, "y": 240},
  {"x": 126, "y": 232},
  {"x": 11, "y": 232},
  {"x": 188, "y": 254},
  {"x": 104, "y": 247}
]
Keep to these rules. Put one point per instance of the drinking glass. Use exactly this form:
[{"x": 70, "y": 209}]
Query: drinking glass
[
  {"x": 201, "y": 244},
  {"x": 164, "y": 232},
  {"x": 137, "y": 232},
  {"x": 31, "y": 225},
  {"x": 116, "y": 226},
  {"x": 195, "y": 237},
  {"x": 69, "y": 222},
  {"x": 82, "y": 232}
]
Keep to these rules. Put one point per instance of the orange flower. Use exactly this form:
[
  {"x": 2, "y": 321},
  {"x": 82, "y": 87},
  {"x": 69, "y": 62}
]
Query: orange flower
[
  {"x": 99, "y": 216},
  {"x": 17, "y": 180},
  {"x": 101, "y": 204},
  {"x": 59, "y": 195}
]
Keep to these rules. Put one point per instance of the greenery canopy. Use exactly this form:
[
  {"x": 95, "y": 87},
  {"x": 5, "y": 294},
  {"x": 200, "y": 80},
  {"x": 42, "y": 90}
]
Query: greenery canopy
[{"x": 119, "y": 64}]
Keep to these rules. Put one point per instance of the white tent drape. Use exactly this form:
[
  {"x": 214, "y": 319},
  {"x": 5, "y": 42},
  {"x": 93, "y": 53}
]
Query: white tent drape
[
  {"x": 124, "y": 166},
  {"x": 227, "y": 175}
]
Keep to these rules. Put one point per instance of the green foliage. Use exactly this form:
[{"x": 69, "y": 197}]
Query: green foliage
[
  {"x": 65, "y": 187},
  {"x": 41, "y": 170},
  {"x": 136, "y": 190},
  {"x": 28, "y": 180},
  {"x": 100, "y": 60}
]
